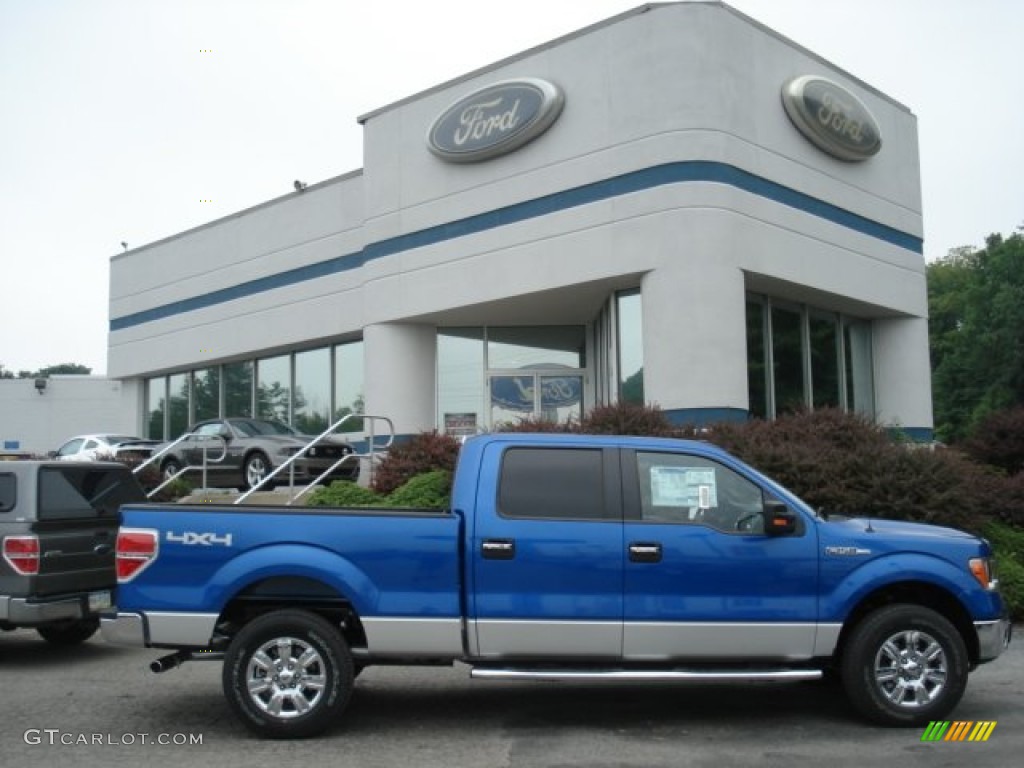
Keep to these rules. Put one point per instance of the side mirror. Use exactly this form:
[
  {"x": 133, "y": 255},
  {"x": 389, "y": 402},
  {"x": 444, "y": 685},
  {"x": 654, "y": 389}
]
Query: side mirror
[
  {"x": 778, "y": 520},
  {"x": 51, "y": 454}
]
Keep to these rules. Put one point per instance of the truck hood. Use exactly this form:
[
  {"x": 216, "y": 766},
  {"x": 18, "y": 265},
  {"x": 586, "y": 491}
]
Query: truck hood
[{"x": 863, "y": 528}]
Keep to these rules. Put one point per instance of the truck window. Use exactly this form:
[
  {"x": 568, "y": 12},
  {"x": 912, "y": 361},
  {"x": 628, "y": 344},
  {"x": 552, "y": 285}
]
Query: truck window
[
  {"x": 676, "y": 488},
  {"x": 85, "y": 492},
  {"x": 7, "y": 489},
  {"x": 552, "y": 483}
]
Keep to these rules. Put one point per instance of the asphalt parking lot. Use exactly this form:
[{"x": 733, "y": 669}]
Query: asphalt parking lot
[{"x": 98, "y": 705}]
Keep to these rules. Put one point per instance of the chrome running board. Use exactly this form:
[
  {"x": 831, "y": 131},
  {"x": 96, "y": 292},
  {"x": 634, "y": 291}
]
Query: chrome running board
[{"x": 647, "y": 675}]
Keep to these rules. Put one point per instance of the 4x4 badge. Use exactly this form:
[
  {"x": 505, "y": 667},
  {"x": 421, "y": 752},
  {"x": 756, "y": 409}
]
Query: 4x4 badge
[{"x": 191, "y": 538}]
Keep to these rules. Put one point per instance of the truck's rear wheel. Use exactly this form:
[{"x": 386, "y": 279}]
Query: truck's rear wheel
[
  {"x": 288, "y": 674},
  {"x": 905, "y": 665},
  {"x": 70, "y": 632}
]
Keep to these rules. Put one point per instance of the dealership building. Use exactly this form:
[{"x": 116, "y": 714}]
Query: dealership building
[{"x": 675, "y": 206}]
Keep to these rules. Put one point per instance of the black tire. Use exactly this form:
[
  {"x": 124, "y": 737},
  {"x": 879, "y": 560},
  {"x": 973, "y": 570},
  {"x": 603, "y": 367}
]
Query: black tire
[
  {"x": 904, "y": 665},
  {"x": 269, "y": 692},
  {"x": 71, "y": 632},
  {"x": 256, "y": 467}
]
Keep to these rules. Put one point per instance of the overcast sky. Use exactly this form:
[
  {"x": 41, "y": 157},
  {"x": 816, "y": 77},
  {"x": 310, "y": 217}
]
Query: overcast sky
[{"x": 132, "y": 120}]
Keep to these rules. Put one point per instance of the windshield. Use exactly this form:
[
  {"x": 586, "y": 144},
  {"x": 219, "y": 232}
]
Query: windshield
[
  {"x": 118, "y": 439},
  {"x": 255, "y": 428}
]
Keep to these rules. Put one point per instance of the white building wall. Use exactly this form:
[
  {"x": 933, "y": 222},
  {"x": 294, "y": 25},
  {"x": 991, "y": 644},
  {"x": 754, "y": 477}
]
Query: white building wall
[
  {"x": 68, "y": 406},
  {"x": 902, "y": 373},
  {"x": 400, "y": 382}
]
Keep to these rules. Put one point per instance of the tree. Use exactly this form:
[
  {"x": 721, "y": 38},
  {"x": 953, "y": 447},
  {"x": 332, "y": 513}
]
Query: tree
[
  {"x": 976, "y": 303},
  {"x": 49, "y": 370}
]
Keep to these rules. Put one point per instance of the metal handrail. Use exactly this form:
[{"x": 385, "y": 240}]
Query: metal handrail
[
  {"x": 188, "y": 467},
  {"x": 371, "y": 444}
]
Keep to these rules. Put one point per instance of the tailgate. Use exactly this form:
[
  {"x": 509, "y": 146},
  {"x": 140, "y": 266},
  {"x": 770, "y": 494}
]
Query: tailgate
[{"x": 77, "y": 519}]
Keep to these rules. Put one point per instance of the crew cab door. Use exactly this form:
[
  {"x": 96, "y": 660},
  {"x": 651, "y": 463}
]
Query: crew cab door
[
  {"x": 547, "y": 554},
  {"x": 702, "y": 579}
]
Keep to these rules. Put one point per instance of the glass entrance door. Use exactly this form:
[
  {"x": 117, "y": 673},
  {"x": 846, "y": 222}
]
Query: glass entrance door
[{"x": 555, "y": 396}]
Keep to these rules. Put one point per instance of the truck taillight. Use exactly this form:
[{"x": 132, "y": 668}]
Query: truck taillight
[
  {"x": 136, "y": 549},
  {"x": 22, "y": 552}
]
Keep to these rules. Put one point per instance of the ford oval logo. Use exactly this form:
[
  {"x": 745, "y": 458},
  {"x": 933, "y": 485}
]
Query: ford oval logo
[
  {"x": 495, "y": 120},
  {"x": 831, "y": 117}
]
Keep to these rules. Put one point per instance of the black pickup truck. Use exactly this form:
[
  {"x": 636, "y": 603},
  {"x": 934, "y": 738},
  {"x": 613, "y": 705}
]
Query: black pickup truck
[{"x": 58, "y": 530}]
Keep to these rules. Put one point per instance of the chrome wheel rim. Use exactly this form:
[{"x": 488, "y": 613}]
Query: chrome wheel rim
[
  {"x": 911, "y": 669},
  {"x": 255, "y": 470},
  {"x": 286, "y": 677}
]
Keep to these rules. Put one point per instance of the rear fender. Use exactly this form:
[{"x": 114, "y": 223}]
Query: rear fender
[{"x": 291, "y": 560}]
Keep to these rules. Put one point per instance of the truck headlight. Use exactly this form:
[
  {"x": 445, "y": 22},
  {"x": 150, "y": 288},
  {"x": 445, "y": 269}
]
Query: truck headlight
[{"x": 984, "y": 570}]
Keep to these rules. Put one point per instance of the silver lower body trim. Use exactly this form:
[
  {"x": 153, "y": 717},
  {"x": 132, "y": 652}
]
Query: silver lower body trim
[
  {"x": 661, "y": 641},
  {"x": 174, "y": 630},
  {"x": 124, "y": 629},
  {"x": 993, "y": 638},
  {"x": 504, "y": 638},
  {"x": 440, "y": 637},
  {"x": 647, "y": 675}
]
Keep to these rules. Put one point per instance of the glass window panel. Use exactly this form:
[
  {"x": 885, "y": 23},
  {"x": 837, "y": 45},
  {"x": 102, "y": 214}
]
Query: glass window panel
[
  {"x": 273, "y": 388},
  {"x": 178, "y": 388},
  {"x": 676, "y": 488},
  {"x": 536, "y": 347},
  {"x": 238, "y": 389},
  {"x": 787, "y": 360},
  {"x": 860, "y": 391},
  {"x": 561, "y": 398},
  {"x": 525, "y": 489},
  {"x": 631, "y": 348},
  {"x": 460, "y": 379},
  {"x": 757, "y": 384},
  {"x": 311, "y": 400},
  {"x": 156, "y": 395},
  {"x": 348, "y": 384},
  {"x": 206, "y": 393},
  {"x": 824, "y": 361},
  {"x": 512, "y": 399}
]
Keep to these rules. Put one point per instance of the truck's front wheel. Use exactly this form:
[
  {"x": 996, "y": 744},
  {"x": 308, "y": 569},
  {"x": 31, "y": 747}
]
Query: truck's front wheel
[
  {"x": 905, "y": 665},
  {"x": 288, "y": 674}
]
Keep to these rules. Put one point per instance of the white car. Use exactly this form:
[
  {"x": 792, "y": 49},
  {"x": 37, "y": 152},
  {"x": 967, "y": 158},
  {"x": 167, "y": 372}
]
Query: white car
[{"x": 104, "y": 447}]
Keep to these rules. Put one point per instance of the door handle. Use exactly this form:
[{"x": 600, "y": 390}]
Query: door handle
[
  {"x": 498, "y": 549},
  {"x": 645, "y": 552}
]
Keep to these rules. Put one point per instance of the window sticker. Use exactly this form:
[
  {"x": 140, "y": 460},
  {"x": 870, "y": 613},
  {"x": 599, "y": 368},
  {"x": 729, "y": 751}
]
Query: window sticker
[{"x": 693, "y": 487}]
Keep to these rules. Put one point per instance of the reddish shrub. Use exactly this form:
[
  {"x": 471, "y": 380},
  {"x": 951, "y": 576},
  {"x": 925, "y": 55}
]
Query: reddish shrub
[
  {"x": 531, "y": 424},
  {"x": 627, "y": 419},
  {"x": 998, "y": 440},
  {"x": 419, "y": 454}
]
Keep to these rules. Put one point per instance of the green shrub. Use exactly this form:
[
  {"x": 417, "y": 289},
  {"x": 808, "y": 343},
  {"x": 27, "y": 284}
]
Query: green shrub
[
  {"x": 419, "y": 454},
  {"x": 426, "y": 491},
  {"x": 343, "y": 493}
]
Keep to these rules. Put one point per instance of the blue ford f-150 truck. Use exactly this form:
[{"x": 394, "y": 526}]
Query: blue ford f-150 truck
[{"x": 563, "y": 557}]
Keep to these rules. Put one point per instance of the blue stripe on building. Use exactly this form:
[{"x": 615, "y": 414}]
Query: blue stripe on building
[{"x": 635, "y": 181}]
